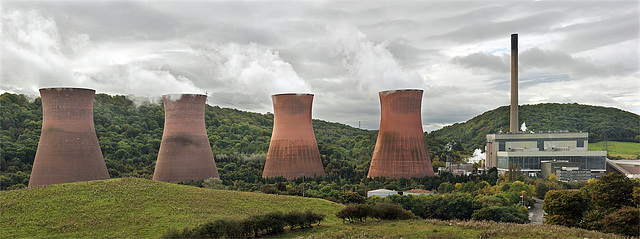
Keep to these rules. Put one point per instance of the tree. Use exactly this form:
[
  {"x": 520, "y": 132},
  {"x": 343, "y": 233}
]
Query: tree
[
  {"x": 564, "y": 207},
  {"x": 352, "y": 197},
  {"x": 613, "y": 191},
  {"x": 502, "y": 214},
  {"x": 624, "y": 221}
]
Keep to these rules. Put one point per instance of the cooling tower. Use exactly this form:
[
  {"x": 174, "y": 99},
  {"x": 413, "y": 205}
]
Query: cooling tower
[
  {"x": 68, "y": 149},
  {"x": 401, "y": 151},
  {"x": 293, "y": 151},
  {"x": 185, "y": 153}
]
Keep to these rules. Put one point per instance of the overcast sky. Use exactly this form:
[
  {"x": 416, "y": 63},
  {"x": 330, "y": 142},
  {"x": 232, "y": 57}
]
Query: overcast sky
[{"x": 240, "y": 53}]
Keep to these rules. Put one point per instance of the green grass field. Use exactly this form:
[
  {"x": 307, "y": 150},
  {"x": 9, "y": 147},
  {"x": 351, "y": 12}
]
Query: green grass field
[
  {"x": 139, "y": 208},
  {"x": 131, "y": 207},
  {"x": 628, "y": 150},
  {"x": 443, "y": 229}
]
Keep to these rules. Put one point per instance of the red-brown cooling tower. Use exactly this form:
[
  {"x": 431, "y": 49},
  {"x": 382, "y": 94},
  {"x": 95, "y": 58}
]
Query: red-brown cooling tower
[
  {"x": 68, "y": 149},
  {"x": 185, "y": 153},
  {"x": 293, "y": 151},
  {"x": 401, "y": 151}
]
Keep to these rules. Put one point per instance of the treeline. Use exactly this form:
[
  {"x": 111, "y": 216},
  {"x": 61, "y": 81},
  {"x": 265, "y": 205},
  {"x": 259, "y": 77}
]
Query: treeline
[
  {"x": 609, "y": 204},
  {"x": 471, "y": 200},
  {"x": 253, "y": 226},
  {"x": 130, "y": 134},
  {"x": 602, "y": 123}
]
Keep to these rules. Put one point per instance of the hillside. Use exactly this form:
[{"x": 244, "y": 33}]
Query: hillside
[
  {"x": 601, "y": 123},
  {"x": 139, "y": 208},
  {"x": 130, "y": 135},
  {"x": 430, "y": 228},
  {"x": 133, "y": 208},
  {"x": 626, "y": 150}
]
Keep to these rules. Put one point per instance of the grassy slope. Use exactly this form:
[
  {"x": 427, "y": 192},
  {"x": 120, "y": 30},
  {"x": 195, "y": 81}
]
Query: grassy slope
[
  {"x": 131, "y": 207},
  {"x": 444, "y": 229},
  {"x": 628, "y": 150}
]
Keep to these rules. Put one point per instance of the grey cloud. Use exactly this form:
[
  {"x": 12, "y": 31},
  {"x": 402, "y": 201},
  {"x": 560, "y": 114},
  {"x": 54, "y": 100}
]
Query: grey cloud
[
  {"x": 488, "y": 30},
  {"x": 482, "y": 61},
  {"x": 536, "y": 58},
  {"x": 242, "y": 52},
  {"x": 623, "y": 27},
  {"x": 575, "y": 66}
]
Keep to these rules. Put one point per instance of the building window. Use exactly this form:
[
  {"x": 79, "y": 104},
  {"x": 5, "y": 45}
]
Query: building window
[
  {"x": 501, "y": 146},
  {"x": 580, "y": 144}
]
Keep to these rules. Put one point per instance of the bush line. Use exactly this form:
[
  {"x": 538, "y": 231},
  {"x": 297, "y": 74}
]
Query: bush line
[{"x": 256, "y": 225}]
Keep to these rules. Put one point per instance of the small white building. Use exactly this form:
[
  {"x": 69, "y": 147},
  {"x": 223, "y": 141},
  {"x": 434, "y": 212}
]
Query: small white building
[{"x": 381, "y": 192}]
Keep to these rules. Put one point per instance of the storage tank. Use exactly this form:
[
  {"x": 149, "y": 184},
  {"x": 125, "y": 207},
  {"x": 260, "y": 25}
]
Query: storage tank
[
  {"x": 293, "y": 150},
  {"x": 401, "y": 151},
  {"x": 68, "y": 150},
  {"x": 185, "y": 153}
]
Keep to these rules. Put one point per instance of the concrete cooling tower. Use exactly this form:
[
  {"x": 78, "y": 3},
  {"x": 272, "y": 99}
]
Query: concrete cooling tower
[
  {"x": 401, "y": 151},
  {"x": 293, "y": 151},
  {"x": 185, "y": 153},
  {"x": 68, "y": 149}
]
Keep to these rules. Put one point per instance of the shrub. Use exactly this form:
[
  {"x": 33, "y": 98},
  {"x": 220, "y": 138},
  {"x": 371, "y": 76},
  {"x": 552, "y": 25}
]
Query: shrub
[
  {"x": 254, "y": 225},
  {"x": 390, "y": 211},
  {"x": 501, "y": 214},
  {"x": 624, "y": 221},
  {"x": 353, "y": 212}
]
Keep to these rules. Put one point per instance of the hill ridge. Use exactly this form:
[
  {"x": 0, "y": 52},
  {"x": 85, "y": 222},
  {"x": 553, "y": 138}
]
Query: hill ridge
[{"x": 610, "y": 122}]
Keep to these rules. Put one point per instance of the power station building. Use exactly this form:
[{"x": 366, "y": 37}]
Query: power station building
[
  {"x": 185, "y": 153},
  {"x": 293, "y": 150},
  {"x": 68, "y": 150},
  {"x": 530, "y": 151},
  {"x": 401, "y": 151}
]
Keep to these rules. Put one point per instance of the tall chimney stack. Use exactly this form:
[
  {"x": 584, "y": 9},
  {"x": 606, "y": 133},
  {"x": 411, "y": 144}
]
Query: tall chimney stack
[{"x": 513, "y": 127}]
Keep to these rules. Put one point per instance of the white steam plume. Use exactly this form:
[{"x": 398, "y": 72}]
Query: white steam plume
[{"x": 372, "y": 66}]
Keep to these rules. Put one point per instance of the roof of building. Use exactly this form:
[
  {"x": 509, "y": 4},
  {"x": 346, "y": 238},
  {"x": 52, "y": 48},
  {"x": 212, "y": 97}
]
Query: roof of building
[
  {"x": 627, "y": 167},
  {"x": 418, "y": 191},
  {"x": 382, "y": 190}
]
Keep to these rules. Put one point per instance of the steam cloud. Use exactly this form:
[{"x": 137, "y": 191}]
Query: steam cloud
[
  {"x": 239, "y": 75},
  {"x": 372, "y": 66}
]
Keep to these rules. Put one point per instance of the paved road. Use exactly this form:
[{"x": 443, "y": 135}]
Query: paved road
[{"x": 536, "y": 214}]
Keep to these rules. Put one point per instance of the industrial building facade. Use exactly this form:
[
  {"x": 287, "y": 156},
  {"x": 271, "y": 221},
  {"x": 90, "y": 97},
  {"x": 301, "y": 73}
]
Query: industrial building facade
[{"x": 530, "y": 151}]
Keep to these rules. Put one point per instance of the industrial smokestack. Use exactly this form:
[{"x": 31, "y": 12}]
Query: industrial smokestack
[
  {"x": 68, "y": 149},
  {"x": 401, "y": 151},
  {"x": 185, "y": 153},
  {"x": 513, "y": 127},
  {"x": 293, "y": 151}
]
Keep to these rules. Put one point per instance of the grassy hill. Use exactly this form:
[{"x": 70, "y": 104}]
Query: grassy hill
[
  {"x": 132, "y": 207},
  {"x": 626, "y": 150},
  {"x": 139, "y": 208},
  {"x": 601, "y": 122}
]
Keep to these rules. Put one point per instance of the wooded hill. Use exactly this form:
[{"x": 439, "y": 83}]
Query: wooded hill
[
  {"x": 601, "y": 123},
  {"x": 130, "y": 135}
]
